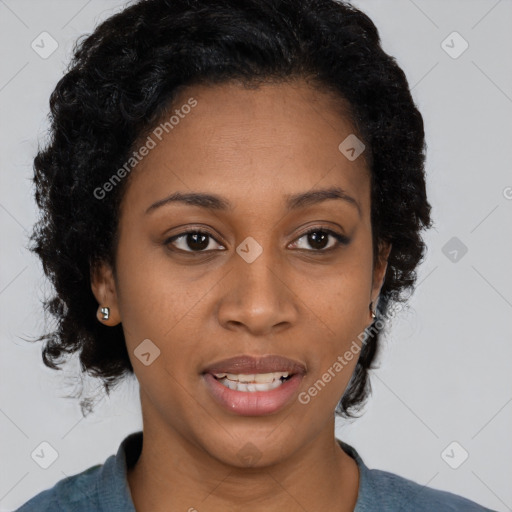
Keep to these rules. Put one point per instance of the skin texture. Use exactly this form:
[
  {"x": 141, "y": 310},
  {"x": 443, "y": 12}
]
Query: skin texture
[{"x": 253, "y": 147}]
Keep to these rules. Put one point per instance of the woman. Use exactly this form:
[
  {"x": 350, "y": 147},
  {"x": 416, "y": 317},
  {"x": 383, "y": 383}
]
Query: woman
[{"x": 232, "y": 203}]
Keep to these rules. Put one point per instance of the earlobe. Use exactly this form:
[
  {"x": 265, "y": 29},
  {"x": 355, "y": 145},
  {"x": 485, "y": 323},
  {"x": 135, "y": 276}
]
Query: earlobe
[{"x": 103, "y": 287}]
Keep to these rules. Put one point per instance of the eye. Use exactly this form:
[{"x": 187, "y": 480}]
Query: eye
[
  {"x": 197, "y": 241},
  {"x": 318, "y": 238}
]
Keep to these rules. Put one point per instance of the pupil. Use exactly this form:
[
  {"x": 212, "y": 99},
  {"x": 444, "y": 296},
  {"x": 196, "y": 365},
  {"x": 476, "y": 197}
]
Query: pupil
[
  {"x": 193, "y": 243},
  {"x": 314, "y": 238}
]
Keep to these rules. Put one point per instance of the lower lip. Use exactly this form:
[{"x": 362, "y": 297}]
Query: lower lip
[{"x": 256, "y": 403}]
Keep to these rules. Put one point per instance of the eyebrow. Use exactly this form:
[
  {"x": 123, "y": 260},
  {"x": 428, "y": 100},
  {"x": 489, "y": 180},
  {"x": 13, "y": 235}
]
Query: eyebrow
[{"x": 292, "y": 202}]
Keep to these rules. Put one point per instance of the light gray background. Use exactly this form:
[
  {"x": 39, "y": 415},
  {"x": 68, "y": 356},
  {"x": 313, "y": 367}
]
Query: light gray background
[{"x": 446, "y": 367}]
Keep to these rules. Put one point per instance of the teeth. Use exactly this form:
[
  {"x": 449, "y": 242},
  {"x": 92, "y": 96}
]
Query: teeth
[
  {"x": 240, "y": 377},
  {"x": 251, "y": 383},
  {"x": 251, "y": 386},
  {"x": 259, "y": 378},
  {"x": 269, "y": 377}
]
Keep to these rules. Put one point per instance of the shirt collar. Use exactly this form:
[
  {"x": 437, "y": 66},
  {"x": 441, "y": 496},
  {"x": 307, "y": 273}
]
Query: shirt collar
[
  {"x": 366, "y": 485},
  {"x": 113, "y": 489}
]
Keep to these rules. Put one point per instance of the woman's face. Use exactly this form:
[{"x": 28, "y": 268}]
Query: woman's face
[{"x": 251, "y": 283}]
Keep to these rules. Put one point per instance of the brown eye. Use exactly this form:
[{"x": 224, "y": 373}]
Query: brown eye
[
  {"x": 318, "y": 239},
  {"x": 192, "y": 241}
]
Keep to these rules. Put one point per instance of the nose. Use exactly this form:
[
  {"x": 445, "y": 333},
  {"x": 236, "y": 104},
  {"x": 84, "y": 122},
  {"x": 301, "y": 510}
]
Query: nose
[{"x": 258, "y": 297}]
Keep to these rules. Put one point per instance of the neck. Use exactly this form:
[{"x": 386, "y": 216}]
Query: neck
[{"x": 173, "y": 473}]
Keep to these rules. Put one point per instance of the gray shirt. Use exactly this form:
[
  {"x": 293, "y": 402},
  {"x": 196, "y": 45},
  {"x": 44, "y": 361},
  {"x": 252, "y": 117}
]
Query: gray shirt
[{"x": 104, "y": 488}]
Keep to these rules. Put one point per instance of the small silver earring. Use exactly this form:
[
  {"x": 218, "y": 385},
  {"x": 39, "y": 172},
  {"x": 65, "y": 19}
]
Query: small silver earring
[
  {"x": 105, "y": 312},
  {"x": 372, "y": 310}
]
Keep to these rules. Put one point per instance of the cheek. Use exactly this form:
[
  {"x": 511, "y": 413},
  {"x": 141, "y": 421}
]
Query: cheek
[
  {"x": 334, "y": 358},
  {"x": 155, "y": 301},
  {"x": 343, "y": 300},
  {"x": 343, "y": 311}
]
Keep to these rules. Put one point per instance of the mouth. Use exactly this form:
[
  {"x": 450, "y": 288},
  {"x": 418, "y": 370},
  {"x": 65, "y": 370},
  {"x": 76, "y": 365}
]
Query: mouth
[
  {"x": 247, "y": 366},
  {"x": 253, "y": 382},
  {"x": 251, "y": 386}
]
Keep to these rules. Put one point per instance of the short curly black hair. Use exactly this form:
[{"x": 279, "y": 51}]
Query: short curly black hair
[{"x": 121, "y": 81}]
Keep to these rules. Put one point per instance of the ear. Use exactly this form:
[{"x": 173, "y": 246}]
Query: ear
[
  {"x": 379, "y": 271},
  {"x": 103, "y": 287}
]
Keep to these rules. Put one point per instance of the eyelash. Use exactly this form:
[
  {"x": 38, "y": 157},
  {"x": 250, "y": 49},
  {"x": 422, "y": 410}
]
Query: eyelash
[{"x": 341, "y": 239}]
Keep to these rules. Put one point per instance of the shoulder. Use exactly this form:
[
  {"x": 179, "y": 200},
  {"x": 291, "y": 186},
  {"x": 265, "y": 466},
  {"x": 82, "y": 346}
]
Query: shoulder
[
  {"x": 102, "y": 488},
  {"x": 78, "y": 493},
  {"x": 396, "y": 493},
  {"x": 383, "y": 491}
]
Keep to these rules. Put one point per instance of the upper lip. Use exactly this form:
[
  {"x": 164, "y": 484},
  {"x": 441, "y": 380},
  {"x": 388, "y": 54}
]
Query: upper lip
[{"x": 250, "y": 365}]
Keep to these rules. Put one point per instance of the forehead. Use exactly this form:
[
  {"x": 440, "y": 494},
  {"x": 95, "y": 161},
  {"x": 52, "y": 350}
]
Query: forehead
[{"x": 248, "y": 143}]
